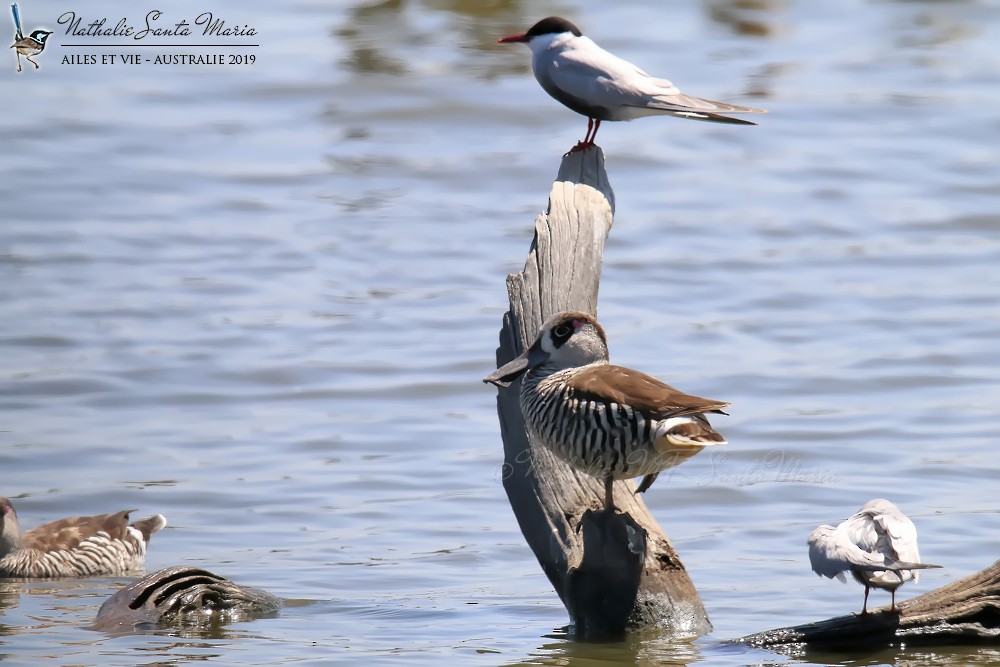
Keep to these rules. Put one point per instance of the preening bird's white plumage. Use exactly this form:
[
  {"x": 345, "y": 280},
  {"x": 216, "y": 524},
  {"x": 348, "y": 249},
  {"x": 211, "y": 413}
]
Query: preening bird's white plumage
[
  {"x": 877, "y": 546},
  {"x": 879, "y": 534}
]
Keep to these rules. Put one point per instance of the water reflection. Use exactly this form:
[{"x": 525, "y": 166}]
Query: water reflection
[
  {"x": 10, "y": 593},
  {"x": 323, "y": 286},
  {"x": 937, "y": 27},
  {"x": 749, "y": 18},
  {"x": 640, "y": 648},
  {"x": 383, "y": 37},
  {"x": 969, "y": 656},
  {"x": 61, "y": 601}
]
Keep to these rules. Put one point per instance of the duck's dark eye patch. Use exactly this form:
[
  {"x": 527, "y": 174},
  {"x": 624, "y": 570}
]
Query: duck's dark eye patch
[{"x": 561, "y": 333}]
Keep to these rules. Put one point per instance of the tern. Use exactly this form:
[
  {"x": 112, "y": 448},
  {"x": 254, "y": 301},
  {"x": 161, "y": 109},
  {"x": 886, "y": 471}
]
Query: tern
[
  {"x": 601, "y": 86},
  {"x": 878, "y": 546}
]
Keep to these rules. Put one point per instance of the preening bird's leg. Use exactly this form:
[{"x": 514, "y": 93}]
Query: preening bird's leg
[
  {"x": 864, "y": 607},
  {"x": 893, "y": 608},
  {"x": 609, "y": 501}
]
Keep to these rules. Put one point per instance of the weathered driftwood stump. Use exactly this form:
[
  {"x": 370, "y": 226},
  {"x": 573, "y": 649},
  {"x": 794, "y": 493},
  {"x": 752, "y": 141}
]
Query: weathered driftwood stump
[
  {"x": 614, "y": 569},
  {"x": 965, "y": 611}
]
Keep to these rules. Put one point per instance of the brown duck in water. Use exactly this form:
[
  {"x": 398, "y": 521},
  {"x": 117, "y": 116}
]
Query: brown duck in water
[{"x": 74, "y": 547}]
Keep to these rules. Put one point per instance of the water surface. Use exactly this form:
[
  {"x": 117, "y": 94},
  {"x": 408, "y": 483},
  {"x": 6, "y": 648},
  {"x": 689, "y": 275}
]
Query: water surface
[{"x": 260, "y": 301}]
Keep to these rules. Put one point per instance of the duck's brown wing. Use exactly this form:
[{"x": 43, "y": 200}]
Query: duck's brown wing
[
  {"x": 642, "y": 392},
  {"x": 67, "y": 534}
]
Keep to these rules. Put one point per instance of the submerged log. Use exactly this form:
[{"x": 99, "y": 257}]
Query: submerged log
[
  {"x": 629, "y": 563},
  {"x": 966, "y": 611}
]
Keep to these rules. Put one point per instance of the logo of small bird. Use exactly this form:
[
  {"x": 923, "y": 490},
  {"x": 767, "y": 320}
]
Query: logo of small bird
[{"x": 27, "y": 46}]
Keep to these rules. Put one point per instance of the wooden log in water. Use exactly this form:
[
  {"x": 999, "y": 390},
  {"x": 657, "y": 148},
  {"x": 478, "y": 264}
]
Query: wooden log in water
[
  {"x": 629, "y": 572},
  {"x": 966, "y": 611}
]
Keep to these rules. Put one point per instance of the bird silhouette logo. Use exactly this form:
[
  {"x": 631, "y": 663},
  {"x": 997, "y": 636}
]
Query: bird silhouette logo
[{"x": 27, "y": 46}]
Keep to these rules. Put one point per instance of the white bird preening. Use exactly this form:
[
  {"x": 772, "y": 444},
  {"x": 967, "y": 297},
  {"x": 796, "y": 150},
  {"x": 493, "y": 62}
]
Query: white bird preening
[
  {"x": 601, "y": 86},
  {"x": 878, "y": 546}
]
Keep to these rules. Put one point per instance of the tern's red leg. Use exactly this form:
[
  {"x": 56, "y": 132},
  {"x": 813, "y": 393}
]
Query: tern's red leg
[
  {"x": 588, "y": 139},
  {"x": 580, "y": 145},
  {"x": 597, "y": 126}
]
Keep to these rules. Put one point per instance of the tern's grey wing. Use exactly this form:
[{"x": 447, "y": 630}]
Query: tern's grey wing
[
  {"x": 612, "y": 83},
  {"x": 698, "y": 108},
  {"x": 604, "y": 80}
]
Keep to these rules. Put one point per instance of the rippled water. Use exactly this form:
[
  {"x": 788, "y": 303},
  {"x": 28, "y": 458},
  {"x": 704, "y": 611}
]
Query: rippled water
[{"x": 260, "y": 301}]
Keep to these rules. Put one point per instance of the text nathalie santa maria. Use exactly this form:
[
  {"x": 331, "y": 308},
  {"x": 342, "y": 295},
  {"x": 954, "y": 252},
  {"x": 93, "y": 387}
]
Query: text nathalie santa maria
[{"x": 205, "y": 24}]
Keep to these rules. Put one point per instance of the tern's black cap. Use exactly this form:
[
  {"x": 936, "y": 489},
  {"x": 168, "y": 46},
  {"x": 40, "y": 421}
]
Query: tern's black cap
[{"x": 553, "y": 25}]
